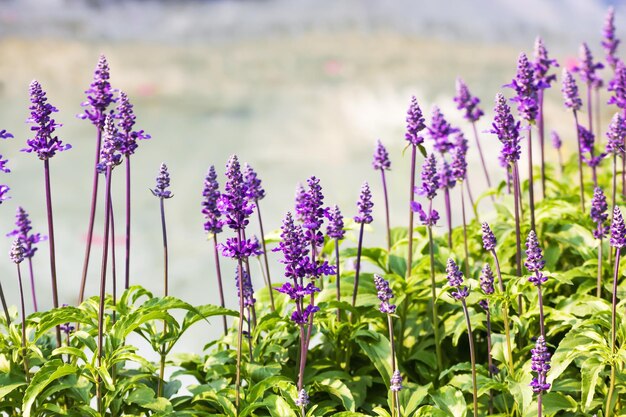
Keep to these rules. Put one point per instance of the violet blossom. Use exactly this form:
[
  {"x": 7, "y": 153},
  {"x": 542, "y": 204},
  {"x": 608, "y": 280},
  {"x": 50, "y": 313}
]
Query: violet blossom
[
  {"x": 618, "y": 229},
  {"x": 540, "y": 365},
  {"x": 609, "y": 41},
  {"x": 599, "y": 213},
  {"x": 162, "y": 183},
  {"x": 571, "y": 98},
  {"x": 455, "y": 280},
  {"x": 364, "y": 205},
  {"x": 384, "y": 294},
  {"x": 440, "y": 131},
  {"x": 22, "y": 232},
  {"x": 126, "y": 116},
  {"x": 534, "y": 259},
  {"x": 415, "y": 123},
  {"x": 467, "y": 102},
  {"x": 211, "y": 193},
  {"x": 381, "y": 158},
  {"x": 233, "y": 203},
  {"x": 507, "y": 130},
  {"x": 334, "y": 229},
  {"x": 525, "y": 87},
  {"x": 99, "y": 94},
  {"x": 542, "y": 65}
]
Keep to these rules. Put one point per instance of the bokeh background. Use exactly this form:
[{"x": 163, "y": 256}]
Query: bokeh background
[{"x": 294, "y": 87}]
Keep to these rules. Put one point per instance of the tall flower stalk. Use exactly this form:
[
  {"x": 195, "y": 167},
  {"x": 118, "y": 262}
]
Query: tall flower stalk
[
  {"x": 213, "y": 226},
  {"x": 459, "y": 173},
  {"x": 486, "y": 284},
  {"x": 334, "y": 230},
  {"x": 99, "y": 98},
  {"x": 460, "y": 293},
  {"x": 618, "y": 241},
  {"x": 599, "y": 216},
  {"x": 17, "y": 256},
  {"x": 587, "y": 144},
  {"x": 415, "y": 123},
  {"x": 384, "y": 295},
  {"x": 618, "y": 87},
  {"x": 489, "y": 243},
  {"x": 46, "y": 144},
  {"x": 363, "y": 217},
  {"x": 572, "y": 101},
  {"x": 128, "y": 145},
  {"x": 382, "y": 163},
  {"x": 248, "y": 302},
  {"x": 609, "y": 41},
  {"x": 616, "y": 135},
  {"x": 587, "y": 70}
]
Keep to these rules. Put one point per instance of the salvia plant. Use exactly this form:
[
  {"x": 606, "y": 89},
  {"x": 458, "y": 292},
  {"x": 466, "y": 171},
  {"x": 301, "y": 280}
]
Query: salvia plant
[{"x": 341, "y": 324}]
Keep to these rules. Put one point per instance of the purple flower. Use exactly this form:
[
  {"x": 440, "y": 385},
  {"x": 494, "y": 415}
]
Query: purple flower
[
  {"x": 489, "y": 239},
  {"x": 542, "y": 65},
  {"x": 312, "y": 210},
  {"x": 455, "y": 279},
  {"x": 4, "y": 189},
  {"x": 233, "y": 203},
  {"x": 211, "y": 193},
  {"x": 381, "y": 158},
  {"x": 67, "y": 328},
  {"x": 446, "y": 176},
  {"x": 610, "y": 42},
  {"x": 126, "y": 116},
  {"x": 541, "y": 365},
  {"x": 429, "y": 219},
  {"x": 303, "y": 317},
  {"x": 240, "y": 249},
  {"x": 525, "y": 87},
  {"x": 459, "y": 158},
  {"x": 303, "y": 399},
  {"x": 384, "y": 295},
  {"x": 599, "y": 213},
  {"x": 571, "y": 99},
  {"x": 486, "y": 284},
  {"x": 396, "y": 381},
  {"x": 297, "y": 292},
  {"x": 17, "y": 252},
  {"x": 618, "y": 229},
  {"x": 440, "y": 131},
  {"x": 3, "y": 165},
  {"x": 99, "y": 94},
  {"x": 45, "y": 144},
  {"x": 335, "y": 223},
  {"x": 4, "y": 134},
  {"x": 109, "y": 153},
  {"x": 507, "y": 129},
  {"x": 430, "y": 178},
  {"x": 248, "y": 291},
  {"x": 616, "y": 134},
  {"x": 162, "y": 183},
  {"x": 556, "y": 140},
  {"x": 534, "y": 259},
  {"x": 587, "y": 68},
  {"x": 300, "y": 201},
  {"x": 295, "y": 248},
  {"x": 587, "y": 139},
  {"x": 254, "y": 189},
  {"x": 618, "y": 86},
  {"x": 466, "y": 102},
  {"x": 414, "y": 123},
  {"x": 365, "y": 205},
  {"x": 22, "y": 232}
]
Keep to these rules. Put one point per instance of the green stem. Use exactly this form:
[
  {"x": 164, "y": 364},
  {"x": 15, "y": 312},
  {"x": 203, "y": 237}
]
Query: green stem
[
  {"x": 507, "y": 330},
  {"x": 609, "y": 396},
  {"x": 433, "y": 290},
  {"x": 472, "y": 357}
]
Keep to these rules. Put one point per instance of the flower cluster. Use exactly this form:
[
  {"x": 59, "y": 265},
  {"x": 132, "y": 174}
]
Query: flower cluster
[
  {"x": 467, "y": 102},
  {"x": 534, "y": 259},
  {"x": 311, "y": 211},
  {"x": 384, "y": 295},
  {"x": 334, "y": 229},
  {"x": 507, "y": 129},
  {"x": 489, "y": 239},
  {"x": 430, "y": 178},
  {"x": 254, "y": 189},
  {"x": 365, "y": 205},
  {"x": 211, "y": 193},
  {"x": 556, "y": 140},
  {"x": 599, "y": 213},
  {"x": 110, "y": 156},
  {"x": 248, "y": 291},
  {"x": 541, "y": 365},
  {"x": 587, "y": 68},
  {"x": 303, "y": 399},
  {"x": 99, "y": 94},
  {"x": 234, "y": 203},
  {"x": 609, "y": 41},
  {"x": 571, "y": 99},
  {"x": 415, "y": 123},
  {"x": 22, "y": 232},
  {"x": 616, "y": 134},
  {"x": 525, "y": 87},
  {"x": 381, "y": 158},
  {"x": 459, "y": 158},
  {"x": 428, "y": 219},
  {"x": 542, "y": 65},
  {"x": 240, "y": 248},
  {"x": 4, "y": 189},
  {"x": 17, "y": 252},
  {"x": 162, "y": 183},
  {"x": 126, "y": 116},
  {"x": 440, "y": 131},
  {"x": 618, "y": 229},
  {"x": 396, "y": 381},
  {"x": 455, "y": 279},
  {"x": 486, "y": 284},
  {"x": 618, "y": 86}
]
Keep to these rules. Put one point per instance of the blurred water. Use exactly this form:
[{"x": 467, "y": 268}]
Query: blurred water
[{"x": 295, "y": 88}]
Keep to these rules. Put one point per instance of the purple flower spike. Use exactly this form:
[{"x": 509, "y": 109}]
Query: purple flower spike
[
  {"x": 427, "y": 219},
  {"x": 99, "y": 94},
  {"x": 609, "y": 41},
  {"x": 211, "y": 193},
  {"x": 335, "y": 223},
  {"x": 587, "y": 139},
  {"x": 618, "y": 86},
  {"x": 507, "y": 129},
  {"x": 430, "y": 178},
  {"x": 440, "y": 131},
  {"x": 455, "y": 279},
  {"x": 300, "y": 201},
  {"x": 534, "y": 259},
  {"x": 526, "y": 89},
  {"x": 233, "y": 203},
  {"x": 446, "y": 176},
  {"x": 542, "y": 65},
  {"x": 127, "y": 117},
  {"x": 240, "y": 249},
  {"x": 556, "y": 140},
  {"x": 384, "y": 295},
  {"x": 486, "y": 284},
  {"x": 489, "y": 239},
  {"x": 396, "y": 381},
  {"x": 599, "y": 213},
  {"x": 294, "y": 247},
  {"x": 109, "y": 154},
  {"x": 162, "y": 183},
  {"x": 312, "y": 209},
  {"x": 4, "y": 190},
  {"x": 618, "y": 229},
  {"x": 22, "y": 232},
  {"x": 381, "y": 158},
  {"x": 616, "y": 134},
  {"x": 365, "y": 205},
  {"x": 45, "y": 144},
  {"x": 571, "y": 99},
  {"x": 587, "y": 68},
  {"x": 17, "y": 252},
  {"x": 248, "y": 291},
  {"x": 297, "y": 292},
  {"x": 459, "y": 158},
  {"x": 303, "y": 318},
  {"x": 466, "y": 102},
  {"x": 303, "y": 399},
  {"x": 254, "y": 189},
  {"x": 541, "y": 365},
  {"x": 415, "y": 123}
]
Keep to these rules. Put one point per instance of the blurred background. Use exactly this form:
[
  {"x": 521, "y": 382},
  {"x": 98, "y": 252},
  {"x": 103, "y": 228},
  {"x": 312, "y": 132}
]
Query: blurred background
[{"x": 294, "y": 87}]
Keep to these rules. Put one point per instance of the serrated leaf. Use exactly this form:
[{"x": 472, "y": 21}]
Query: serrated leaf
[{"x": 48, "y": 373}]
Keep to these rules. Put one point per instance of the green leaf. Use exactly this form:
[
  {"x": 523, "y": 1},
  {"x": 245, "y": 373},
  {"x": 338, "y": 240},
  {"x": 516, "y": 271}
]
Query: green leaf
[
  {"x": 259, "y": 372},
  {"x": 278, "y": 407},
  {"x": 349, "y": 414},
  {"x": 7, "y": 389},
  {"x": 451, "y": 401},
  {"x": 338, "y": 389},
  {"x": 430, "y": 411},
  {"x": 554, "y": 402},
  {"x": 48, "y": 373},
  {"x": 376, "y": 347},
  {"x": 413, "y": 398},
  {"x": 145, "y": 397},
  {"x": 590, "y": 371},
  {"x": 218, "y": 400}
]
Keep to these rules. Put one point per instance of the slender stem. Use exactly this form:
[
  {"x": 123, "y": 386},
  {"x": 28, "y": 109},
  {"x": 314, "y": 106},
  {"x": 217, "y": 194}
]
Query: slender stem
[
  {"x": 589, "y": 106},
  {"x": 358, "y": 265},
  {"x": 433, "y": 293},
  {"x": 599, "y": 283},
  {"x": 53, "y": 267},
  {"x": 472, "y": 357},
  {"x": 609, "y": 397},
  {"x": 127, "y": 260},
  {"x": 508, "y": 179},
  {"x": 113, "y": 262},
  {"x": 302, "y": 361},
  {"x": 446, "y": 195},
  {"x": 467, "y": 269},
  {"x": 32, "y": 283},
  {"x": 395, "y": 404},
  {"x": 471, "y": 199},
  {"x": 539, "y": 402},
  {"x": 220, "y": 288},
  {"x": 518, "y": 244},
  {"x": 240, "y": 327},
  {"x": 580, "y": 165},
  {"x": 489, "y": 358},
  {"x": 409, "y": 259},
  {"x": 4, "y": 307},
  {"x": 542, "y": 329},
  {"x": 338, "y": 280},
  {"x": 560, "y": 156},
  {"x": 482, "y": 157},
  {"x": 23, "y": 307},
  {"x": 507, "y": 330},
  {"x": 267, "y": 265},
  {"x": 165, "y": 292},
  {"x": 103, "y": 273},
  {"x": 531, "y": 186},
  {"x": 541, "y": 127},
  {"x": 92, "y": 215},
  {"x": 382, "y": 173},
  {"x": 597, "y": 113}
]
